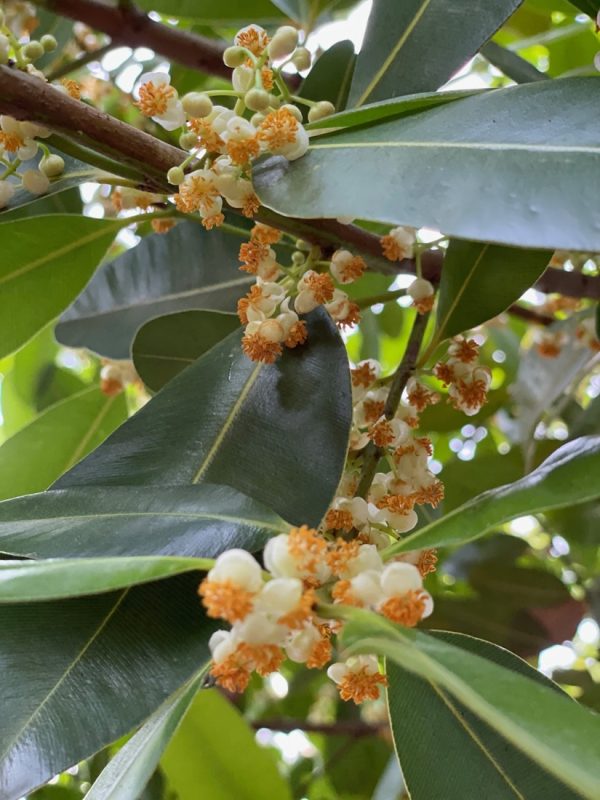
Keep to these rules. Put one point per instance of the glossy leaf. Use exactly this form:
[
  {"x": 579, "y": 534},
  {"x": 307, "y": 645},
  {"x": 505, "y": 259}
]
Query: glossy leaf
[
  {"x": 59, "y": 578},
  {"x": 110, "y": 660},
  {"x": 67, "y": 202},
  {"x": 562, "y": 737},
  {"x": 511, "y": 64},
  {"x": 479, "y": 281},
  {"x": 418, "y": 45},
  {"x": 513, "y": 166},
  {"x": 46, "y": 262},
  {"x": 422, "y": 714},
  {"x": 225, "y": 415},
  {"x": 568, "y": 477},
  {"x": 163, "y": 347},
  {"x": 200, "y": 756},
  {"x": 97, "y": 521},
  {"x": 57, "y": 439},
  {"x": 130, "y": 770},
  {"x": 331, "y": 75},
  {"x": 203, "y": 272}
]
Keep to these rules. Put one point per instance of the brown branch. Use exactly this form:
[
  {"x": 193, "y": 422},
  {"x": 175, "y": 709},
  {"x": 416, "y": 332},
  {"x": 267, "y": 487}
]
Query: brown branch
[
  {"x": 26, "y": 97},
  {"x": 529, "y": 315},
  {"x": 129, "y": 26},
  {"x": 354, "y": 728}
]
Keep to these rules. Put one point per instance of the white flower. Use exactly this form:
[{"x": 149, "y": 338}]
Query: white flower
[
  {"x": 301, "y": 644},
  {"x": 239, "y": 567},
  {"x": 221, "y": 645},
  {"x": 399, "y": 522},
  {"x": 35, "y": 181},
  {"x": 242, "y": 78},
  {"x": 7, "y": 190},
  {"x": 20, "y": 134},
  {"x": 357, "y": 506},
  {"x": 258, "y": 628},
  {"x": 400, "y": 578},
  {"x": 420, "y": 289},
  {"x": 160, "y": 101},
  {"x": 339, "y": 307},
  {"x": 279, "y": 596}
]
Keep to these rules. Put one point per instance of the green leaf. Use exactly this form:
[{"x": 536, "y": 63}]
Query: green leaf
[
  {"x": 215, "y": 751},
  {"x": 130, "y": 770},
  {"x": 568, "y": 477},
  {"x": 203, "y": 272},
  {"x": 57, "y": 439},
  {"x": 589, "y": 7},
  {"x": 473, "y": 756},
  {"x": 229, "y": 420},
  {"x": 229, "y": 13},
  {"x": 59, "y": 578},
  {"x": 561, "y": 736},
  {"x": 79, "y": 673},
  {"x": 68, "y": 202},
  {"x": 394, "y": 108},
  {"x": 514, "y": 166},
  {"x": 511, "y": 64},
  {"x": 419, "y": 45},
  {"x": 95, "y": 521},
  {"x": 46, "y": 262},
  {"x": 330, "y": 77},
  {"x": 479, "y": 281},
  {"x": 165, "y": 346}
]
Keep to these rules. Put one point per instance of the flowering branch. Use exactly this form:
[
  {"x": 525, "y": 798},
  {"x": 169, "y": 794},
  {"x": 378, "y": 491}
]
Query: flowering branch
[{"x": 26, "y": 97}]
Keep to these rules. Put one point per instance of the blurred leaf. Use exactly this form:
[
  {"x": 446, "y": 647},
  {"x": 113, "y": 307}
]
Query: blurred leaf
[
  {"x": 474, "y": 755},
  {"x": 224, "y": 415},
  {"x": 356, "y": 771},
  {"x": 134, "y": 288},
  {"x": 523, "y": 587},
  {"x": 479, "y": 281},
  {"x": 130, "y": 770},
  {"x": 163, "y": 347},
  {"x": 69, "y": 663},
  {"x": 465, "y": 479},
  {"x": 101, "y": 521},
  {"x": 400, "y": 37},
  {"x": 567, "y": 477},
  {"x": 589, "y": 7},
  {"x": 57, "y": 439},
  {"x": 46, "y": 262},
  {"x": 67, "y": 202},
  {"x": 511, "y": 64},
  {"x": 330, "y": 77},
  {"x": 200, "y": 756},
  {"x": 520, "y": 159},
  {"x": 230, "y": 13}
]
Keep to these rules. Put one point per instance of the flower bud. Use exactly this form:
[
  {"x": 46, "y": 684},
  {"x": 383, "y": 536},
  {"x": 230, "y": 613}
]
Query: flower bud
[
  {"x": 33, "y": 50},
  {"x": 283, "y": 43},
  {"x": 298, "y": 258},
  {"x": 301, "y": 59},
  {"x": 35, "y": 181},
  {"x": 293, "y": 110},
  {"x": 175, "y": 176},
  {"x": 242, "y": 78},
  {"x": 272, "y": 330},
  {"x": 419, "y": 289},
  {"x": 6, "y": 192},
  {"x": 257, "y": 119},
  {"x": 48, "y": 42},
  {"x": 234, "y": 56},
  {"x": 52, "y": 165},
  {"x": 197, "y": 104},
  {"x": 320, "y": 110},
  {"x": 188, "y": 140},
  {"x": 257, "y": 99}
]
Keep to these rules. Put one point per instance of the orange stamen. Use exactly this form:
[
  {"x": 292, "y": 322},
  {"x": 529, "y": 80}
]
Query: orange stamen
[
  {"x": 264, "y": 234},
  {"x": 299, "y": 616},
  {"x": 427, "y": 562},
  {"x": 307, "y": 548},
  {"x": 154, "y": 100},
  {"x": 343, "y": 552},
  {"x": 362, "y": 685},
  {"x": 225, "y": 599},
  {"x": 257, "y": 348},
  {"x": 278, "y": 129},
  {"x": 406, "y": 609},
  {"x": 381, "y": 433},
  {"x": 298, "y": 334},
  {"x": 364, "y": 375}
]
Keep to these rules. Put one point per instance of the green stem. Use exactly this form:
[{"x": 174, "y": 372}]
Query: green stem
[
  {"x": 89, "y": 156},
  {"x": 11, "y": 169},
  {"x": 303, "y": 100}
]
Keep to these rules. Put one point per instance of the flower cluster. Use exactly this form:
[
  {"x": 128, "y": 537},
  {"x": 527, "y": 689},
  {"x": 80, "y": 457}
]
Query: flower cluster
[
  {"x": 467, "y": 380},
  {"x": 115, "y": 376},
  {"x": 270, "y": 311}
]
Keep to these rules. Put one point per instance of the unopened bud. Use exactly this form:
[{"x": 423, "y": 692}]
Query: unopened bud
[
  {"x": 272, "y": 330},
  {"x": 35, "y": 181},
  {"x": 197, "y": 104},
  {"x": 302, "y": 245},
  {"x": 188, "y": 140},
  {"x": 257, "y": 119},
  {"x": 301, "y": 59},
  {"x": 274, "y": 101},
  {"x": 283, "y": 43},
  {"x": 52, "y": 165},
  {"x": 420, "y": 289},
  {"x": 48, "y": 42},
  {"x": 293, "y": 110},
  {"x": 298, "y": 258},
  {"x": 320, "y": 110},
  {"x": 33, "y": 50},
  {"x": 242, "y": 78},
  {"x": 257, "y": 99},
  {"x": 234, "y": 56},
  {"x": 175, "y": 176}
]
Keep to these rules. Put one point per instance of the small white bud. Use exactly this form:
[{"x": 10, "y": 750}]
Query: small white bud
[
  {"x": 283, "y": 43},
  {"x": 301, "y": 59},
  {"x": 234, "y": 56},
  {"x": 175, "y": 176},
  {"x": 188, "y": 140},
  {"x": 7, "y": 190},
  {"x": 48, "y": 42},
  {"x": 420, "y": 289},
  {"x": 321, "y": 110},
  {"x": 257, "y": 99},
  {"x": 35, "y": 181},
  {"x": 197, "y": 104},
  {"x": 242, "y": 78},
  {"x": 52, "y": 165},
  {"x": 33, "y": 50},
  {"x": 257, "y": 119}
]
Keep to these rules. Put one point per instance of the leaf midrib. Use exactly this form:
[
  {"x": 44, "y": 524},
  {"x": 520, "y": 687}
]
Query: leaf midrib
[{"x": 504, "y": 146}]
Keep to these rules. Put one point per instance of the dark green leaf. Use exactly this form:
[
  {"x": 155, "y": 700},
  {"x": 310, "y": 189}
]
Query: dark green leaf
[
  {"x": 203, "y": 272},
  {"x": 46, "y": 262},
  {"x": 165, "y": 346},
  {"x": 511, "y": 64},
  {"x": 418, "y": 45},
  {"x": 201, "y": 756},
  {"x": 230, "y": 13},
  {"x": 330, "y": 77},
  {"x": 226, "y": 419},
  {"x": 77, "y": 674},
  {"x": 514, "y": 166},
  {"x": 95, "y": 521},
  {"x": 589, "y": 7},
  {"x": 473, "y": 756},
  {"x": 479, "y": 281},
  {"x": 568, "y": 477},
  {"x": 57, "y": 439}
]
